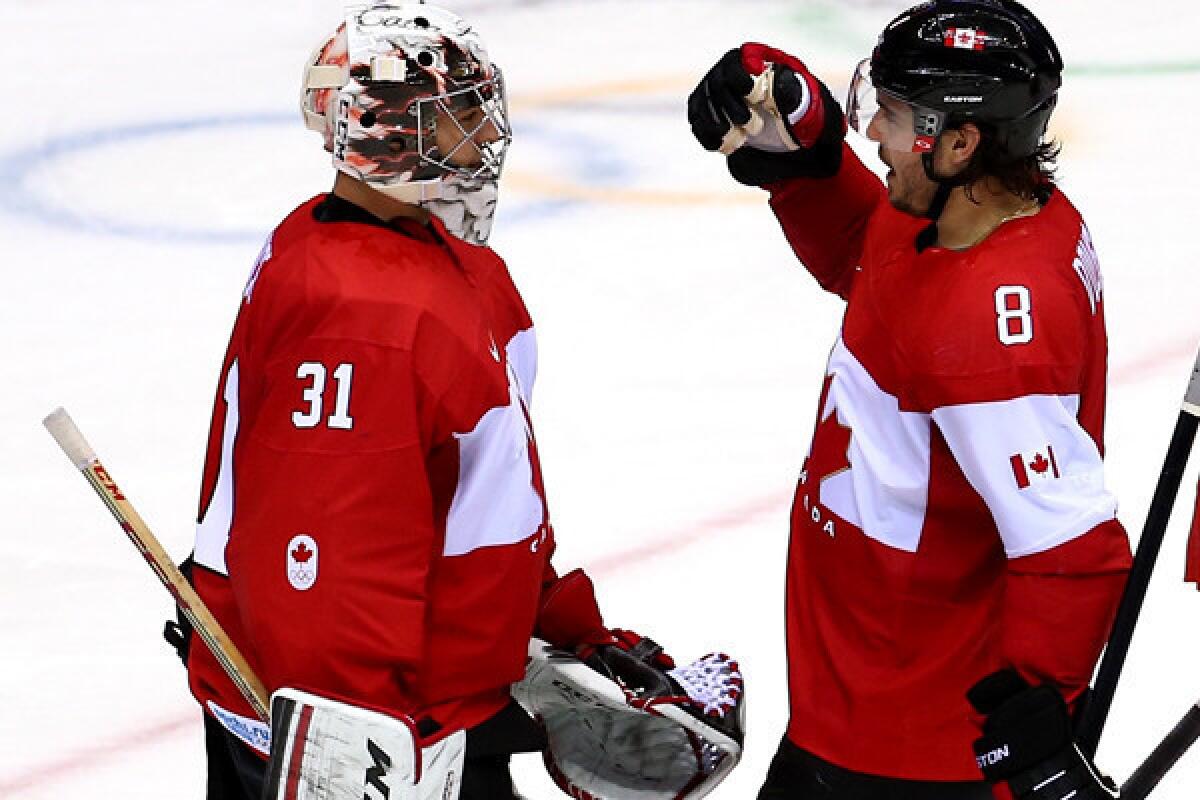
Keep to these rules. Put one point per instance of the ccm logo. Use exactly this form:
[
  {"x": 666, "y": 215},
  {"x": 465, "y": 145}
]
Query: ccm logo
[
  {"x": 992, "y": 757},
  {"x": 109, "y": 484},
  {"x": 572, "y": 692},
  {"x": 342, "y": 129},
  {"x": 372, "y": 18}
]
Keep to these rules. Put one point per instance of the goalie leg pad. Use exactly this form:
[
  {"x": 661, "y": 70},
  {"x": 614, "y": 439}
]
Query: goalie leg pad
[{"x": 323, "y": 749}]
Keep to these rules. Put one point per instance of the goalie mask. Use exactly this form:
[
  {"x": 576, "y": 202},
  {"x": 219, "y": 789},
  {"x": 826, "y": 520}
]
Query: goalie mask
[{"x": 409, "y": 103}]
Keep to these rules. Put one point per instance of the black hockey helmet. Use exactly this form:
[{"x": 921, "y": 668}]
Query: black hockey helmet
[{"x": 955, "y": 61}]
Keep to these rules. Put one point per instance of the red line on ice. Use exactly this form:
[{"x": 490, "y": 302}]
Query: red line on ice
[
  {"x": 1150, "y": 365},
  {"x": 671, "y": 542},
  {"x": 88, "y": 758}
]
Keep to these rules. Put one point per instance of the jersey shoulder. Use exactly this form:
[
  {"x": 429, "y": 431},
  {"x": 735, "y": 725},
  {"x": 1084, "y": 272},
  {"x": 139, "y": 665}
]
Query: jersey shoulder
[
  {"x": 1014, "y": 315},
  {"x": 1048, "y": 258},
  {"x": 350, "y": 280}
]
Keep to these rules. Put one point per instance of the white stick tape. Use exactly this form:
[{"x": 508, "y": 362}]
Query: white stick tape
[
  {"x": 1192, "y": 396},
  {"x": 65, "y": 432}
]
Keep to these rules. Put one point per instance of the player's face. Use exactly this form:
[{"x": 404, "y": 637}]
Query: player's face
[
  {"x": 455, "y": 137},
  {"x": 909, "y": 188}
]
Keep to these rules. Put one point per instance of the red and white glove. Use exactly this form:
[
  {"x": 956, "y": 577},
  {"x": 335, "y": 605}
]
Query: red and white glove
[
  {"x": 629, "y": 722},
  {"x": 674, "y": 738},
  {"x": 770, "y": 114}
]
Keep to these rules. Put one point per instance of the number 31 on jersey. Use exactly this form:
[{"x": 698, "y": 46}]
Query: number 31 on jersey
[
  {"x": 315, "y": 377},
  {"x": 1013, "y": 321}
]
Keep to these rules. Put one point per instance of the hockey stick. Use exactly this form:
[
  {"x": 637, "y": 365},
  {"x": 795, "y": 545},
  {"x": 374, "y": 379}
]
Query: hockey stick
[
  {"x": 1095, "y": 713},
  {"x": 1159, "y": 762},
  {"x": 69, "y": 438}
]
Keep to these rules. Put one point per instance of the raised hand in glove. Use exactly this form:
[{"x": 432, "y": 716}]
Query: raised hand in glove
[
  {"x": 771, "y": 116},
  {"x": 1027, "y": 741}
]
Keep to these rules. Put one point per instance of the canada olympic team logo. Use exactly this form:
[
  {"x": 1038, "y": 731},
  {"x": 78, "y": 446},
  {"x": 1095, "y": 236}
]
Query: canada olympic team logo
[{"x": 302, "y": 562}]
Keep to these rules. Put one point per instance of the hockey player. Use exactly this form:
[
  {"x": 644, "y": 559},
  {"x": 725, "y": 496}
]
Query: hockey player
[
  {"x": 951, "y": 534},
  {"x": 373, "y": 531}
]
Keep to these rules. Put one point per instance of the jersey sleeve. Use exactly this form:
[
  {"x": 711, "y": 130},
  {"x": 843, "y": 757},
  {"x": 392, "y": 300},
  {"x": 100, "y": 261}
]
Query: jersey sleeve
[
  {"x": 568, "y": 613},
  {"x": 1037, "y": 469},
  {"x": 825, "y": 220},
  {"x": 333, "y": 542},
  {"x": 1042, "y": 478},
  {"x": 1004, "y": 384}
]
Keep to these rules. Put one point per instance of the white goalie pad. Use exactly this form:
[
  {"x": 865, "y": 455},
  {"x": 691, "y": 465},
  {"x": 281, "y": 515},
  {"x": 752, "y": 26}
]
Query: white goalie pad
[
  {"x": 608, "y": 741},
  {"x": 325, "y": 750}
]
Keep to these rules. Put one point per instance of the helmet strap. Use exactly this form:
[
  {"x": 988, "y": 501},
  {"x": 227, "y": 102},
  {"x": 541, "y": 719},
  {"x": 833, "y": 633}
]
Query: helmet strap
[{"x": 945, "y": 185}]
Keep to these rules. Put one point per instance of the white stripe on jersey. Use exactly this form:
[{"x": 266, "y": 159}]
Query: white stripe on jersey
[
  {"x": 984, "y": 438},
  {"x": 522, "y": 356},
  {"x": 495, "y": 502},
  {"x": 884, "y": 493},
  {"x": 212, "y": 532}
]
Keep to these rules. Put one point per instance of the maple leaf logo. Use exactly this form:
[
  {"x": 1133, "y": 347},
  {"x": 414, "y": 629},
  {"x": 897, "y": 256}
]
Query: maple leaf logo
[
  {"x": 1039, "y": 464},
  {"x": 301, "y": 554},
  {"x": 830, "y": 454}
]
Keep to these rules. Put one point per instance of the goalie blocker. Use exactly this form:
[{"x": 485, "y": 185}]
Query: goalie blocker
[{"x": 618, "y": 727}]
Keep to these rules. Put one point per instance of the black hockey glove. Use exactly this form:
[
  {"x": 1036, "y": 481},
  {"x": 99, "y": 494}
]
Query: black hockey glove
[
  {"x": 771, "y": 116},
  {"x": 1027, "y": 741}
]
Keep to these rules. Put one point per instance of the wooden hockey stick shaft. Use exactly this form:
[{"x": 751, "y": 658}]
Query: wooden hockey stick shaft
[
  {"x": 71, "y": 440},
  {"x": 1095, "y": 713}
]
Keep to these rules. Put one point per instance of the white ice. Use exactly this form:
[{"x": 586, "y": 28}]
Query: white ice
[{"x": 148, "y": 148}]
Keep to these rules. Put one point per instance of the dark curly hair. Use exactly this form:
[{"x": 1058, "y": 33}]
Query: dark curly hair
[{"x": 1030, "y": 177}]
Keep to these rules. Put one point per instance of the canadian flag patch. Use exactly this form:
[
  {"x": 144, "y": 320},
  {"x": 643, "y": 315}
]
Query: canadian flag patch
[
  {"x": 1035, "y": 467},
  {"x": 965, "y": 38},
  {"x": 302, "y": 562}
]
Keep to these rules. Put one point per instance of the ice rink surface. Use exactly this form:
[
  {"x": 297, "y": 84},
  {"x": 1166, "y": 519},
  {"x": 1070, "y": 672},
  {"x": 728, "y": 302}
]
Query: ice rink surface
[{"x": 150, "y": 147}]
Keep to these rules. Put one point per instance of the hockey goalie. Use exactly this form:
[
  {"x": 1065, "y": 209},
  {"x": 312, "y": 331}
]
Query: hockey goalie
[{"x": 374, "y": 533}]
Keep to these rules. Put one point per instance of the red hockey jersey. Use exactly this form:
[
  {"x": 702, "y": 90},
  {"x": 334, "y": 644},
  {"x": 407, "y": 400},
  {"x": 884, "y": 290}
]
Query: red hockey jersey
[
  {"x": 373, "y": 525},
  {"x": 951, "y": 517}
]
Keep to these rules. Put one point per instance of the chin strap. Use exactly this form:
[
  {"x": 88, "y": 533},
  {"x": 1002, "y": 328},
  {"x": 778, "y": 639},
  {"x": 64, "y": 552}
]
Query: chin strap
[{"x": 945, "y": 185}]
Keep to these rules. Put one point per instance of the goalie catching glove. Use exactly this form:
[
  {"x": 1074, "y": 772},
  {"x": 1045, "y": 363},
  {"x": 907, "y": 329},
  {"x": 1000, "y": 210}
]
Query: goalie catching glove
[{"x": 628, "y": 724}]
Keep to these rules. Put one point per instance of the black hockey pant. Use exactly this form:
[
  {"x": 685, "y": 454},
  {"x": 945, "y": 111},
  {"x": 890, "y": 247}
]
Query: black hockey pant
[{"x": 796, "y": 774}]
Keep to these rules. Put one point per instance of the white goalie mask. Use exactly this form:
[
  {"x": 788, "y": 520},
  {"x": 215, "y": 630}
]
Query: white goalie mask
[{"x": 409, "y": 103}]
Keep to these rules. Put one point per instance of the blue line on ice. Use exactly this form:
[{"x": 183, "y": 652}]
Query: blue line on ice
[{"x": 591, "y": 160}]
